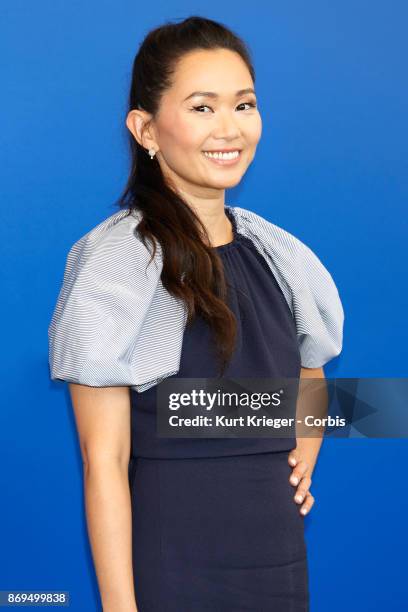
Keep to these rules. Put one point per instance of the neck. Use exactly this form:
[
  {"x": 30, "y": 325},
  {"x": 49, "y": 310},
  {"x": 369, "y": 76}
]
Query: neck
[{"x": 211, "y": 213}]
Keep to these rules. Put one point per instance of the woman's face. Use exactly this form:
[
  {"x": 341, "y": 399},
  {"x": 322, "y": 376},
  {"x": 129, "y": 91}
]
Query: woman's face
[{"x": 187, "y": 125}]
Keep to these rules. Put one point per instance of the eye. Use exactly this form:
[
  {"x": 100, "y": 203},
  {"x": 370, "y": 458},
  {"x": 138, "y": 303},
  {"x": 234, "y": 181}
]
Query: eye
[
  {"x": 196, "y": 108},
  {"x": 250, "y": 104}
]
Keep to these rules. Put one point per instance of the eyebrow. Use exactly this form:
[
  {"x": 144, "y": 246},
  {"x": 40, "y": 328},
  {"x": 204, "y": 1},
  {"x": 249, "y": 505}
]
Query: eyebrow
[{"x": 212, "y": 94}]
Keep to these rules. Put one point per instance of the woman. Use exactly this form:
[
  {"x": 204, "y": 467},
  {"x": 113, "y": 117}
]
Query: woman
[{"x": 178, "y": 284}]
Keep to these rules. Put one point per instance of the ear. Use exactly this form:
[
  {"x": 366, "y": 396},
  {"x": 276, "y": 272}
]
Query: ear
[{"x": 137, "y": 122}]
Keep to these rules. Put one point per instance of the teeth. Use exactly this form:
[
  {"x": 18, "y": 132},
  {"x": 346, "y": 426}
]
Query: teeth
[{"x": 218, "y": 155}]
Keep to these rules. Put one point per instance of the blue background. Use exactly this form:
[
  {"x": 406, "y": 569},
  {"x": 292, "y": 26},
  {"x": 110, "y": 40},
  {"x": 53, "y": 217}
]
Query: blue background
[{"x": 331, "y": 168}]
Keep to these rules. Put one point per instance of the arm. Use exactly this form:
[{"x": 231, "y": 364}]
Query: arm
[
  {"x": 303, "y": 458},
  {"x": 310, "y": 446},
  {"x": 102, "y": 417}
]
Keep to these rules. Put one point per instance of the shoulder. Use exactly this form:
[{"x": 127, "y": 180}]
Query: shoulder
[
  {"x": 265, "y": 228},
  {"x": 293, "y": 256},
  {"x": 112, "y": 243},
  {"x": 117, "y": 226},
  {"x": 278, "y": 239}
]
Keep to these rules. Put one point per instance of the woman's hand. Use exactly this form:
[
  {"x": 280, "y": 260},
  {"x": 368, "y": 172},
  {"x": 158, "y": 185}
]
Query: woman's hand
[{"x": 301, "y": 477}]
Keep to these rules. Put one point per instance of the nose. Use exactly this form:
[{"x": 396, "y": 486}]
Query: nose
[{"x": 226, "y": 126}]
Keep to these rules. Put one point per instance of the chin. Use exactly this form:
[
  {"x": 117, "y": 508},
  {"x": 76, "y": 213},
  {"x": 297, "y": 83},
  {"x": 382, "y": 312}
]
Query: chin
[{"x": 227, "y": 184}]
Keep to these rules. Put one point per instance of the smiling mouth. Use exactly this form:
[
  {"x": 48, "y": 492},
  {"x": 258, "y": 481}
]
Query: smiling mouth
[{"x": 223, "y": 159}]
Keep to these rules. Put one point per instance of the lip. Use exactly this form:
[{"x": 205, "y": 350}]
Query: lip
[
  {"x": 222, "y": 150},
  {"x": 223, "y": 162}
]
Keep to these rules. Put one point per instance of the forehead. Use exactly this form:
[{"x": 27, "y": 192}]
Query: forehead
[{"x": 218, "y": 70}]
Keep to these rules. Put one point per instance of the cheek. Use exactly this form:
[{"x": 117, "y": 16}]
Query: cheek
[
  {"x": 256, "y": 131},
  {"x": 181, "y": 137}
]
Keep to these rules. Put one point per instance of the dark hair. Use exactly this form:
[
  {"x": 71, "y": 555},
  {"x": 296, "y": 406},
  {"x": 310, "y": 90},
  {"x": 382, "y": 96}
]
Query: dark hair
[{"x": 192, "y": 270}]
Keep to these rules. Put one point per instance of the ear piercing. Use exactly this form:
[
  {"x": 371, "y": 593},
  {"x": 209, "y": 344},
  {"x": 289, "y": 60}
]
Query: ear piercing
[{"x": 152, "y": 153}]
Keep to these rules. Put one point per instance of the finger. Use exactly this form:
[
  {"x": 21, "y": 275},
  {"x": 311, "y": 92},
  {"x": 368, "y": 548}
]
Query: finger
[
  {"x": 292, "y": 458},
  {"x": 302, "y": 489},
  {"x": 309, "y": 501},
  {"x": 298, "y": 472}
]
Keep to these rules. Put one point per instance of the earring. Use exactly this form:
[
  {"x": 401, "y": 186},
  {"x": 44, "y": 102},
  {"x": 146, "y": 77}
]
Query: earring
[{"x": 152, "y": 153}]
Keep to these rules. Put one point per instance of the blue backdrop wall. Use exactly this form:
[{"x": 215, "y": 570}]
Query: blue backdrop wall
[{"x": 331, "y": 168}]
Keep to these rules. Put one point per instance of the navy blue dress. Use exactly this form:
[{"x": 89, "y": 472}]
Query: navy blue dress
[{"x": 215, "y": 525}]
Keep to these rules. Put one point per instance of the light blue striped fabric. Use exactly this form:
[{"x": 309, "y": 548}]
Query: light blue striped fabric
[{"x": 115, "y": 324}]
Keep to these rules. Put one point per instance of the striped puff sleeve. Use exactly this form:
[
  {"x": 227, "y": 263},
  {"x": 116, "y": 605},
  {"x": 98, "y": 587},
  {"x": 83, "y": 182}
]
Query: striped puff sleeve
[
  {"x": 308, "y": 287},
  {"x": 318, "y": 310},
  {"x": 101, "y": 306}
]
